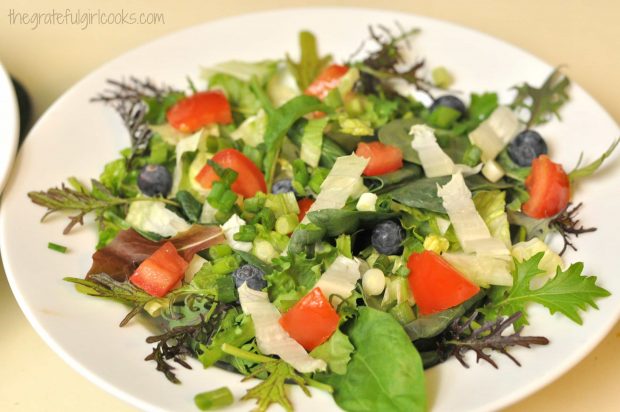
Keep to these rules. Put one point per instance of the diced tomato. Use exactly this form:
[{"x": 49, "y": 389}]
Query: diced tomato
[
  {"x": 158, "y": 274},
  {"x": 311, "y": 321},
  {"x": 549, "y": 188},
  {"x": 326, "y": 81},
  {"x": 304, "y": 205},
  {"x": 249, "y": 181},
  {"x": 199, "y": 110},
  {"x": 436, "y": 285},
  {"x": 383, "y": 158}
]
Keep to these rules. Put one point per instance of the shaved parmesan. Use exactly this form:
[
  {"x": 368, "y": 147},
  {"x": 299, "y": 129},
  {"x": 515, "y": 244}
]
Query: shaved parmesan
[
  {"x": 472, "y": 232},
  {"x": 271, "y": 338},
  {"x": 435, "y": 161},
  {"x": 231, "y": 228},
  {"x": 493, "y": 134},
  {"x": 339, "y": 279},
  {"x": 343, "y": 181}
]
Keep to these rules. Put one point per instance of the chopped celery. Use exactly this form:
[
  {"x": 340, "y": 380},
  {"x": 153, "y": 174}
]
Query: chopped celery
[
  {"x": 282, "y": 204},
  {"x": 246, "y": 233}
]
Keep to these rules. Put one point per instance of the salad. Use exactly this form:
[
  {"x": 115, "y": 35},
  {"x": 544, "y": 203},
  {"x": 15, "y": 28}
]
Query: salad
[{"x": 336, "y": 225}]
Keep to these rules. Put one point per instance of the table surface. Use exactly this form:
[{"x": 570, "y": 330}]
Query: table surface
[{"x": 583, "y": 35}]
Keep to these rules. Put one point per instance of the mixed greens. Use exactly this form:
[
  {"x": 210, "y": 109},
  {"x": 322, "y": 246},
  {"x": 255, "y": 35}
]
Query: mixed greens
[{"x": 337, "y": 226}]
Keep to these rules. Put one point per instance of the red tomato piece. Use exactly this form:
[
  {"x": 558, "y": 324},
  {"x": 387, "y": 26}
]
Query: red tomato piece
[
  {"x": 250, "y": 179},
  {"x": 158, "y": 274},
  {"x": 326, "y": 81},
  {"x": 311, "y": 321},
  {"x": 304, "y": 205},
  {"x": 199, "y": 110},
  {"x": 383, "y": 158},
  {"x": 436, "y": 285},
  {"x": 549, "y": 188}
]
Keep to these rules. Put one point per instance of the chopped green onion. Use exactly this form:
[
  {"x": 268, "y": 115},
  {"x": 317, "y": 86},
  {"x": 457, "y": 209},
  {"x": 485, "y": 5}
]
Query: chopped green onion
[
  {"x": 228, "y": 176},
  {"x": 287, "y": 223},
  {"x": 56, "y": 247},
  {"x": 266, "y": 218},
  {"x": 226, "y": 289},
  {"x": 254, "y": 204},
  {"x": 227, "y": 201},
  {"x": 219, "y": 251},
  {"x": 299, "y": 189},
  {"x": 316, "y": 179},
  {"x": 246, "y": 233},
  {"x": 214, "y": 399},
  {"x": 217, "y": 190},
  {"x": 282, "y": 204},
  {"x": 300, "y": 172}
]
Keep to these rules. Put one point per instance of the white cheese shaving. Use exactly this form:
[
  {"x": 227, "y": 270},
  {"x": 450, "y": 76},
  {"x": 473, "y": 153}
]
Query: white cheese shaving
[
  {"x": 230, "y": 228},
  {"x": 435, "y": 161},
  {"x": 271, "y": 338},
  {"x": 493, "y": 134},
  {"x": 343, "y": 181},
  {"x": 472, "y": 232},
  {"x": 339, "y": 279}
]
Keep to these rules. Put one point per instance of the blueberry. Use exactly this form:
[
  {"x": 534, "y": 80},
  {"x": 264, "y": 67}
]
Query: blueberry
[
  {"x": 282, "y": 186},
  {"x": 387, "y": 237},
  {"x": 527, "y": 146},
  {"x": 155, "y": 180},
  {"x": 250, "y": 274},
  {"x": 450, "y": 101}
]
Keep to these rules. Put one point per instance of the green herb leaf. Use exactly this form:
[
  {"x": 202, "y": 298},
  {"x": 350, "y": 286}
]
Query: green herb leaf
[
  {"x": 280, "y": 120},
  {"x": 545, "y": 102},
  {"x": 567, "y": 293},
  {"x": 190, "y": 206},
  {"x": 585, "y": 171},
  {"x": 273, "y": 390},
  {"x": 377, "y": 379},
  {"x": 310, "y": 63}
]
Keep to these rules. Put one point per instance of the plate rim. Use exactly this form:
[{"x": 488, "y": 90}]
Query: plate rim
[{"x": 516, "y": 396}]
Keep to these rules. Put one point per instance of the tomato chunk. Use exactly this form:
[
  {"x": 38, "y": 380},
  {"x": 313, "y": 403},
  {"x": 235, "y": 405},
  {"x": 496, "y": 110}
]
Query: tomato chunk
[
  {"x": 327, "y": 80},
  {"x": 249, "y": 181},
  {"x": 199, "y": 110},
  {"x": 158, "y": 274},
  {"x": 304, "y": 205},
  {"x": 549, "y": 188},
  {"x": 311, "y": 321},
  {"x": 383, "y": 158},
  {"x": 436, "y": 285}
]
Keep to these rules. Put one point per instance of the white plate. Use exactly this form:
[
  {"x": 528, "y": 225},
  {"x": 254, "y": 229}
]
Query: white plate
[
  {"x": 75, "y": 138},
  {"x": 9, "y": 125}
]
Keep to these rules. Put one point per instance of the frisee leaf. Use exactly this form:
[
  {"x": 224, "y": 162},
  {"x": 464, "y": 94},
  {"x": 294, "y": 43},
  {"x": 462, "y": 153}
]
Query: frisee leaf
[
  {"x": 463, "y": 337},
  {"x": 544, "y": 102},
  {"x": 567, "y": 293},
  {"x": 589, "y": 169},
  {"x": 83, "y": 201},
  {"x": 272, "y": 390}
]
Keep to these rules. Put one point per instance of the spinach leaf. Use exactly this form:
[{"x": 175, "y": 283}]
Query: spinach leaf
[
  {"x": 280, "y": 120},
  {"x": 190, "y": 206},
  {"x": 396, "y": 133},
  {"x": 422, "y": 193},
  {"x": 385, "y": 372},
  {"x": 407, "y": 172},
  {"x": 338, "y": 221},
  {"x": 432, "y": 325}
]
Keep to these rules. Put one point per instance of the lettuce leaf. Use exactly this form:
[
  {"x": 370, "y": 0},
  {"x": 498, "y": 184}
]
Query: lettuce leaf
[{"x": 123, "y": 255}]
